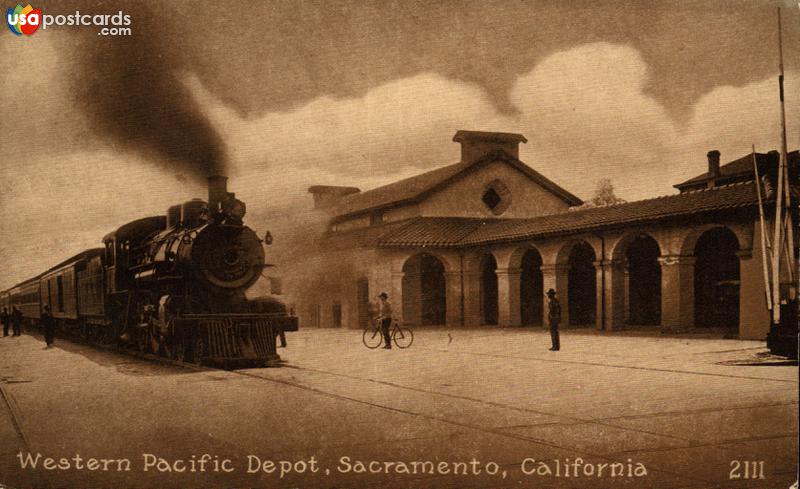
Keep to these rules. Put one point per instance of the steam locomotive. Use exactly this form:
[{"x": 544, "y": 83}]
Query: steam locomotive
[{"x": 172, "y": 285}]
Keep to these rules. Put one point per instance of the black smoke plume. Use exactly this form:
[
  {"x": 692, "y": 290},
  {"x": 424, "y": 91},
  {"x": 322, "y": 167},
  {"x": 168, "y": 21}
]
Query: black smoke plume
[{"x": 130, "y": 88}]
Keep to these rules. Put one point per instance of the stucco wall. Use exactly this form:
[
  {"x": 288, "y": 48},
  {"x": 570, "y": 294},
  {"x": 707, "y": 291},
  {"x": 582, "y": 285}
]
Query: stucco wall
[
  {"x": 335, "y": 281},
  {"x": 754, "y": 318},
  {"x": 400, "y": 213},
  {"x": 353, "y": 223},
  {"x": 463, "y": 197}
]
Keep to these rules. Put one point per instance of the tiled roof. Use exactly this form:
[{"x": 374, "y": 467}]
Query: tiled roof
[
  {"x": 415, "y": 188},
  {"x": 742, "y": 167},
  {"x": 459, "y": 232},
  {"x": 397, "y": 192}
]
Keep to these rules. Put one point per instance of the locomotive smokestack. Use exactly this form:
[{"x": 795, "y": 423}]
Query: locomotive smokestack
[{"x": 217, "y": 193}]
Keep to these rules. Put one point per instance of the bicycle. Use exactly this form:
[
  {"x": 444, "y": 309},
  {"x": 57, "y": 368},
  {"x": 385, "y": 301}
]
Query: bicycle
[{"x": 373, "y": 336}]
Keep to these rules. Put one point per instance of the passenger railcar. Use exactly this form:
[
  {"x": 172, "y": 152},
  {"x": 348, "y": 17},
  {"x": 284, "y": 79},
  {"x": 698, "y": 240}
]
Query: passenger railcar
[{"x": 25, "y": 297}]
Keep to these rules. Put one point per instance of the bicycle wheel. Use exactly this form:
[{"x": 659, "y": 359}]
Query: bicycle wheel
[
  {"x": 403, "y": 337},
  {"x": 372, "y": 337}
]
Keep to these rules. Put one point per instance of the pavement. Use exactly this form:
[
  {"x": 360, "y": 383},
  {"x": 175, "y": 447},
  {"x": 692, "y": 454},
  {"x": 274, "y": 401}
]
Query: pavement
[{"x": 482, "y": 408}]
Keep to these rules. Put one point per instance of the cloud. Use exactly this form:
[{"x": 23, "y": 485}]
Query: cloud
[
  {"x": 397, "y": 126},
  {"x": 586, "y": 115},
  {"x": 731, "y": 119}
]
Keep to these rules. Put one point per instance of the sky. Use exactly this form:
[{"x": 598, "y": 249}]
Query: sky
[{"x": 101, "y": 130}]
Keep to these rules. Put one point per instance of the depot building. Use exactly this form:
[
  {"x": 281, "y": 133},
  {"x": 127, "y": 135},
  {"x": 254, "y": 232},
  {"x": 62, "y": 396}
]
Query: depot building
[{"x": 479, "y": 242}]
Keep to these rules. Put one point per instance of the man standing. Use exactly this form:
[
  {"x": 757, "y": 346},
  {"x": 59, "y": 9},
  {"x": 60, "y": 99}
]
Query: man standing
[
  {"x": 385, "y": 317},
  {"x": 554, "y": 317},
  {"x": 16, "y": 321},
  {"x": 49, "y": 325},
  {"x": 4, "y": 318}
]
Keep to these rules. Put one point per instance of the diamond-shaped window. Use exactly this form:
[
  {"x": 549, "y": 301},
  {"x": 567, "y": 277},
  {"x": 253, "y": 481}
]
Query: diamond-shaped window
[
  {"x": 496, "y": 197},
  {"x": 491, "y": 198}
]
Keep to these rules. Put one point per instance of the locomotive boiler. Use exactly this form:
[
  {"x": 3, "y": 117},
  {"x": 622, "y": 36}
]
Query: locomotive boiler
[
  {"x": 176, "y": 284},
  {"x": 173, "y": 285}
]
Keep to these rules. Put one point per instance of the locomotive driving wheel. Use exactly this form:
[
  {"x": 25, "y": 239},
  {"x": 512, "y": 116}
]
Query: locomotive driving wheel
[
  {"x": 153, "y": 339},
  {"x": 142, "y": 340},
  {"x": 177, "y": 352}
]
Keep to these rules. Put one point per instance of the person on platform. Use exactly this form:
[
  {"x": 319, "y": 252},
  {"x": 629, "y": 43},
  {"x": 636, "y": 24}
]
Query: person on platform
[
  {"x": 16, "y": 321},
  {"x": 5, "y": 319},
  {"x": 385, "y": 318},
  {"x": 553, "y": 317},
  {"x": 49, "y": 326},
  {"x": 282, "y": 333},
  {"x": 282, "y": 338}
]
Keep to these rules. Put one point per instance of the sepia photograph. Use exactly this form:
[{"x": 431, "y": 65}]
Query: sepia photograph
[{"x": 346, "y": 244}]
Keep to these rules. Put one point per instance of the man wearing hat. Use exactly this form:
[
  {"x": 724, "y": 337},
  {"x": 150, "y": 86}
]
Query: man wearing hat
[
  {"x": 49, "y": 326},
  {"x": 385, "y": 317},
  {"x": 554, "y": 317}
]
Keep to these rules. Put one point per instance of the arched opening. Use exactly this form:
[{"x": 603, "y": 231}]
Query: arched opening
[
  {"x": 716, "y": 280},
  {"x": 424, "y": 290},
  {"x": 531, "y": 294},
  {"x": 362, "y": 300},
  {"x": 582, "y": 285},
  {"x": 489, "y": 309},
  {"x": 644, "y": 281}
]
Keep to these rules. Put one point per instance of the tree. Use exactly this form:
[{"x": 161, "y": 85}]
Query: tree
[{"x": 604, "y": 194}]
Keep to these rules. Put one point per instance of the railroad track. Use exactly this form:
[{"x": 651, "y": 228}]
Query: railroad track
[{"x": 14, "y": 411}]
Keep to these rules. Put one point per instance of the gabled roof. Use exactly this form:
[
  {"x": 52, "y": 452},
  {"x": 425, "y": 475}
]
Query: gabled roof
[
  {"x": 463, "y": 232},
  {"x": 414, "y": 189},
  {"x": 741, "y": 169}
]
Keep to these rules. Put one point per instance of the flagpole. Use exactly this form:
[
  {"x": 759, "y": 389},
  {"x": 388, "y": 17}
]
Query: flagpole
[
  {"x": 777, "y": 242},
  {"x": 764, "y": 260},
  {"x": 788, "y": 230}
]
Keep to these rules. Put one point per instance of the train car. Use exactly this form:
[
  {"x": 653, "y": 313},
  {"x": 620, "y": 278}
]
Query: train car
[
  {"x": 5, "y": 302},
  {"x": 25, "y": 297},
  {"x": 68, "y": 289},
  {"x": 91, "y": 294}
]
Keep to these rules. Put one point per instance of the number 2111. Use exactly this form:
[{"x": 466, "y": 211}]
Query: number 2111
[{"x": 747, "y": 469}]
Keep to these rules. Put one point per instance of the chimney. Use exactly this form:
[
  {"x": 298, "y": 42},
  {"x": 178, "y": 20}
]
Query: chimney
[
  {"x": 773, "y": 162},
  {"x": 476, "y": 144},
  {"x": 328, "y": 195},
  {"x": 713, "y": 163},
  {"x": 217, "y": 193}
]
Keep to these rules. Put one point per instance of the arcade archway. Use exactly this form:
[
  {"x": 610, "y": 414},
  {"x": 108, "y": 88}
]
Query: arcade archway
[
  {"x": 424, "y": 296},
  {"x": 582, "y": 285},
  {"x": 716, "y": 280},
  {"x": 489, "y": 290},
  {"x": 644, "y": 281},
  {"x": 531, "y": 292}
]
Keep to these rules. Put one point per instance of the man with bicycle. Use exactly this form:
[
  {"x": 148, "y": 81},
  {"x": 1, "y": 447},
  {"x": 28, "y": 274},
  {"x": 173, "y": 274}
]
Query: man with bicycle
[{"x": 385, "y": 318}]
